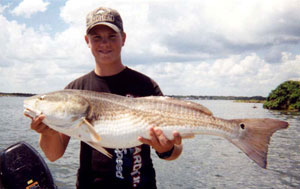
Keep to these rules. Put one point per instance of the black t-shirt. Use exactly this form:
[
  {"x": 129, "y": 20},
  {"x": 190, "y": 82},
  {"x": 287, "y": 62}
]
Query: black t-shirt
[{"x": 129, "y": 168}]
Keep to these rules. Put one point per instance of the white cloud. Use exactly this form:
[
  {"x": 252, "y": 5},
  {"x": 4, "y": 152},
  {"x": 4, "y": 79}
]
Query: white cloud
[
  {"x": 35, "y": 62},
  {"x": 216, "y": 47},
  {"x": 19, "y": 42},
  {"x": 29, "y": 7},
  {"x": 198, "y": 27},
  {"x": 234, "y": 75}
]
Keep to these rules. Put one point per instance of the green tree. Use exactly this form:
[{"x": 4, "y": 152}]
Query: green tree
[{"x": 285, "y": 97}]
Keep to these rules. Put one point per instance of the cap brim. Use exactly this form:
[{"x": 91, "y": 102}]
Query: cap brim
[{"x": 112, "y": 26}]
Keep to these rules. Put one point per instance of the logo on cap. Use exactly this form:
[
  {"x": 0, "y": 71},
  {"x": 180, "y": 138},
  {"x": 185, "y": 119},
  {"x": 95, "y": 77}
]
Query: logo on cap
[{"x": 103, "y": 16}]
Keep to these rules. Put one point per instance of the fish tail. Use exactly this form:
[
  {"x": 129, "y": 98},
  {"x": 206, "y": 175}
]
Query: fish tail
[{"x": 255, "y": 137}]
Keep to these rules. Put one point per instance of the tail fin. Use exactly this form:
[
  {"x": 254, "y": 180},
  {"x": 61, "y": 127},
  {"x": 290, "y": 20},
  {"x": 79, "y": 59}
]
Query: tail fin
[{"x": 255, "y": 137}]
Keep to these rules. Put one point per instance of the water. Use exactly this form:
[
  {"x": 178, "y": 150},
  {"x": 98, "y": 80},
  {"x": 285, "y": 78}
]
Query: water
[{"x": 206, "y": 161}]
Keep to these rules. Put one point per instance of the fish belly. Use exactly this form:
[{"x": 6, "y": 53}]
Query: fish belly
[
  {"x": 121, "y": 133},
  {"x": 124, "y": 133}
]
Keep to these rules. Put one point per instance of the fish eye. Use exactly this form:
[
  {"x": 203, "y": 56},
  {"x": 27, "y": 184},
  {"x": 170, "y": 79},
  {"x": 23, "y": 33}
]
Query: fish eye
[{"x": 242, "y": 125}]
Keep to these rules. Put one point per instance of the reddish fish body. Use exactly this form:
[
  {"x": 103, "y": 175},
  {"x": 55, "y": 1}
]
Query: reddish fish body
[{"x": 112, "y": 121}]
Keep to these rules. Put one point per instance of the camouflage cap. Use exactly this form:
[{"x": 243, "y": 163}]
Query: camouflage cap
[{"x": 104, "y": 16}]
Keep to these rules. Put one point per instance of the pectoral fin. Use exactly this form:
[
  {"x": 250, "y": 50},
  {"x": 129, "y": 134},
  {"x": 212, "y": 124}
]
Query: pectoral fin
[
  {"x": 91, "y": 129},
  {"x": 98, "y": 147},
  {"x": 86, "y": 131}
]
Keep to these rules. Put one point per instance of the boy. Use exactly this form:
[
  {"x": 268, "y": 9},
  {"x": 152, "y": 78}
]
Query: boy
[{"x": 129, "y": 168}]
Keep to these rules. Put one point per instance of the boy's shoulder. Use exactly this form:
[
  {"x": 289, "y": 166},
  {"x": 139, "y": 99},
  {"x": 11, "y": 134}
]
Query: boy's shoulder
[{"x": 80, "y": 81}]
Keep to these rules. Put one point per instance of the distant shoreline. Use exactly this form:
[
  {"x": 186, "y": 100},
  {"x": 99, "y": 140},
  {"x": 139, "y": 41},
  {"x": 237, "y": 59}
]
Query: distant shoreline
[
  {"x": 16, "y": 94},
  {"x": 255, "y": 99}
]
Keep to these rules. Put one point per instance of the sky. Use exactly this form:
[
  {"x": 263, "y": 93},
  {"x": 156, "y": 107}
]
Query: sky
[{"x": 192, "y": 47}]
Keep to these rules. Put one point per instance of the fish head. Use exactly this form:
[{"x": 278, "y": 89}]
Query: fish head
[{"x": 58, "y": 107}]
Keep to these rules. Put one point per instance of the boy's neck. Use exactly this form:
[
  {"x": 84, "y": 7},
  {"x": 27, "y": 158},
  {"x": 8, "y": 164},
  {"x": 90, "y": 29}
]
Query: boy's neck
[{"x": 109, "y": 69}]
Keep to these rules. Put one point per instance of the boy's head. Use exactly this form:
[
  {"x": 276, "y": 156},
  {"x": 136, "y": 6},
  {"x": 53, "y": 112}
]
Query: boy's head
[{"x": 104, "y": 16}]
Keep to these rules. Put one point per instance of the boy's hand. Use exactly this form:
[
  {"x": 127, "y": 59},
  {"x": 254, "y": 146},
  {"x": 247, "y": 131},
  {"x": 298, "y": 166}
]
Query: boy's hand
[
  {"x": 159, "y": 141},
  {"x": 39, "y": 126}
]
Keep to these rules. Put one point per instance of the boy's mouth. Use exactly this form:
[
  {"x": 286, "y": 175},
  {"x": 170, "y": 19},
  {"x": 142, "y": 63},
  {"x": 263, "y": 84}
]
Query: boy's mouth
[{"x": 105, "y": 51}]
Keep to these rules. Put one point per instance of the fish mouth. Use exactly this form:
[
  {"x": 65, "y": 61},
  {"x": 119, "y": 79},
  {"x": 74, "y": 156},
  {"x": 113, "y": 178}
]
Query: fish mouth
[{"x": 30, "y": 112}]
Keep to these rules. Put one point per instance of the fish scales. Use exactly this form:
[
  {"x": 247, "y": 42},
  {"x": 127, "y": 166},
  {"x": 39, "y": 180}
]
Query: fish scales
[
  {"x": 166, "y": 116},
  {"x": 113, "y": 121}
]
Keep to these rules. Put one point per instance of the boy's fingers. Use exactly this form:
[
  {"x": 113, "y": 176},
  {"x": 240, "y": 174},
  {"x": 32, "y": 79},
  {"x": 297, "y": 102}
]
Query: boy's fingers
[
  {"x": 144, "y": 141},
  {"x": 153, "y": 137},
  {"x": 177, "y": 138},
  {"x": 36, "y": 122},
  {"x": 28, "y": 116}
]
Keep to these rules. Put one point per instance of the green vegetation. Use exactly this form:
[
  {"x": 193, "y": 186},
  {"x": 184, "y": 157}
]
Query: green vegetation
[{"x": 285, "y": 97}]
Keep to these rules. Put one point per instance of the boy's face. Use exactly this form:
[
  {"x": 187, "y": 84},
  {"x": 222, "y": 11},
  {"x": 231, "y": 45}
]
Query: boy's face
[{"x": 105, "y": 44}]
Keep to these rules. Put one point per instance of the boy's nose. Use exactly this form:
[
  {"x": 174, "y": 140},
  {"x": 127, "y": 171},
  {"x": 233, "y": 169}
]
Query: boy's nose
[{"x": 104, "y": 40}]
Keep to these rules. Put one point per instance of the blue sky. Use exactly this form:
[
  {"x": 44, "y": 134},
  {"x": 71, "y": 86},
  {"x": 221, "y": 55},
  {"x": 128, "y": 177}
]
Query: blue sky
[
  {"x": 36, "y": 18},
  {"x": 208, "y": 47}
]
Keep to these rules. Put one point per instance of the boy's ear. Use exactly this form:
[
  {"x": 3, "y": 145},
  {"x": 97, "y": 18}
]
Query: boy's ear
[
  {"x": 123, "y": 38},
  {"x": 87, "y": 40}
]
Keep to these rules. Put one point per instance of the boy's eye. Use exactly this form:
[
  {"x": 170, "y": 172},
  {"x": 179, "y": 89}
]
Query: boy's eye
[{"x": 100, "y": 38}]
